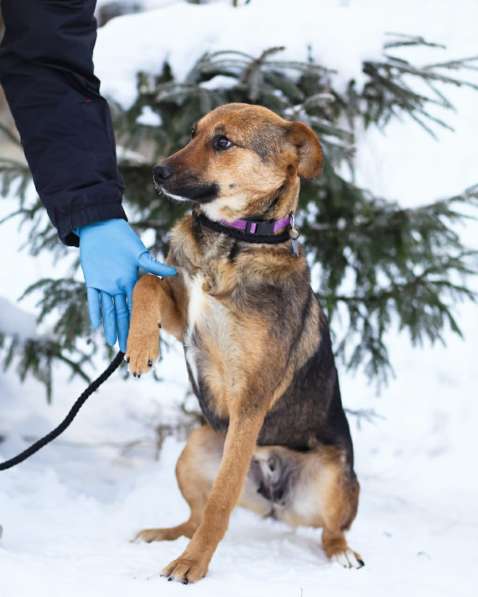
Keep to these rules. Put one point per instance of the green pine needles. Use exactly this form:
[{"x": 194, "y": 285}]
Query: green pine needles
[{"x": 377, "y": 266}]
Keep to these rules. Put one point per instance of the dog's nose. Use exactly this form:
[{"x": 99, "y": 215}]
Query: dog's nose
[{"x": 162, "y": 172}]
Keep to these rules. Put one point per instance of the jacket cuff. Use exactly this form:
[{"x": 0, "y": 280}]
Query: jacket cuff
[
  {"x": 86, "y": 210},
  {"x": 90, "y": 215}
]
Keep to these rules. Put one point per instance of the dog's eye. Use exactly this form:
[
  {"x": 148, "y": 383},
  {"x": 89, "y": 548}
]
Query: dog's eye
[
  {"x": 193, "y": 131},
  {"x": 220, "y": 143}
]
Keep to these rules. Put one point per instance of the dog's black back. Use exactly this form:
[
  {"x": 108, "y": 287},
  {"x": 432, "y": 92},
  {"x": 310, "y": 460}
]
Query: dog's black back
[{"x": 310, "y": 411}]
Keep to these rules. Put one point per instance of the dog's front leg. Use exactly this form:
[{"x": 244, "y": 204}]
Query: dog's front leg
[
  {"x": 239, "y": 447},
  {"x": 156, "y": 303}
]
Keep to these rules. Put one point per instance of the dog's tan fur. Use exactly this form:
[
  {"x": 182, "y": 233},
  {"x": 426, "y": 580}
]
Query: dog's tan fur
[{"x": 246, "y": 371}]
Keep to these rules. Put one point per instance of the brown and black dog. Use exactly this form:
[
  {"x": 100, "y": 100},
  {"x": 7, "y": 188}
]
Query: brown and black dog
[{"x": 255, "y": 339}]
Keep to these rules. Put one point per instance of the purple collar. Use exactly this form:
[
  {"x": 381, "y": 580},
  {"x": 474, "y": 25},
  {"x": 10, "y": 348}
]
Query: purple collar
[
  {"x": 259, "y": 227},
  {"x": 250, "y": 230}
]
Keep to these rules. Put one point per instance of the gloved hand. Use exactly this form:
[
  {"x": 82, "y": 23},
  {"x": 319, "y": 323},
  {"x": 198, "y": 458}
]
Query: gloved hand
[{"x": 111, "y": 254}]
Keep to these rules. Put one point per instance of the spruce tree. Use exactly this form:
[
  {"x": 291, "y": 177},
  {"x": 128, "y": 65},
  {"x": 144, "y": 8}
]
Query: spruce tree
[{"x": 379, "y": 264}]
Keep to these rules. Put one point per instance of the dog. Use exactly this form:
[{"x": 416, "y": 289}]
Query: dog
[{"x": 256, "y": 341}]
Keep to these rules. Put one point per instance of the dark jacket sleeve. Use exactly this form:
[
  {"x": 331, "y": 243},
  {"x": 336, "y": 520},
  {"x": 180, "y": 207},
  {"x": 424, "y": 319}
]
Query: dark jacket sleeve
[{"x": 46, "y": 70}]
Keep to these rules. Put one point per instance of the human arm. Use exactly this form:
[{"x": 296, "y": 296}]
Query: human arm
[{"x": 46, "y": 70}]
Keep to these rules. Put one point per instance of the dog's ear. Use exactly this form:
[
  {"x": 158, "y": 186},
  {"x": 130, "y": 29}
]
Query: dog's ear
[{"x": 308, "y": 149}]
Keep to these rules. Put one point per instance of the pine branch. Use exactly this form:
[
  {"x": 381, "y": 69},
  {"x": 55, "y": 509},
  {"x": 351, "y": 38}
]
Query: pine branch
[
  {"x": 404, "y": 40},
  {"x": 35, "y": 357},
  {"x": 387, "y": 89},
  {"x": 381, "y": 265}
]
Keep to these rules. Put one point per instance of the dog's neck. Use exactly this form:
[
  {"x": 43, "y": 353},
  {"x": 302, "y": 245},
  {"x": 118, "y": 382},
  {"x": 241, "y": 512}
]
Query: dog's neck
[
  {"x": 224, "y": 262},
  {"x": 276, "y": 205}
]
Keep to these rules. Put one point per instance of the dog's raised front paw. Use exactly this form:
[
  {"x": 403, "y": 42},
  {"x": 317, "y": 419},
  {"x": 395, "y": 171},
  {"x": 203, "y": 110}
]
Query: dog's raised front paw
[{"x": 142, "y": 350}]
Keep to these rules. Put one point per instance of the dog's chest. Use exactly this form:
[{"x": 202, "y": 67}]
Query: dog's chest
[
  {"x": 207, "y": 341},
  {"x": 205, "y": 313}
]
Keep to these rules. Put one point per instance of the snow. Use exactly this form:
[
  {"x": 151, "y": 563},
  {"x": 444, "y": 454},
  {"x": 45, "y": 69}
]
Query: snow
[
  {"x": 193, "y": 29},
  {"x": 340, "y": 35},
  {"x": 69, "y": 512},
  {"x": 219, "y": 82},
  {"x": 16, "y": 321},
  {"x": 148, "y": 117}
]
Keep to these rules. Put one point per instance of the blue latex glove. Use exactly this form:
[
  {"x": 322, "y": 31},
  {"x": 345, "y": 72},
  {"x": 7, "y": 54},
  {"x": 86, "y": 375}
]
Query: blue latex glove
[{"x": 111, "y": 254}]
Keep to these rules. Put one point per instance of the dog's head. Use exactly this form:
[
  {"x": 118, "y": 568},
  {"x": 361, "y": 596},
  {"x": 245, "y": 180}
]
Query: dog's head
[{"x": 242, "y": 161}]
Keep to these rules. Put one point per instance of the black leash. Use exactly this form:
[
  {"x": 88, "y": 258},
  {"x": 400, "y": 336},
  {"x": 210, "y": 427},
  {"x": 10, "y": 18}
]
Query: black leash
[{"x": 49, "y": 437}]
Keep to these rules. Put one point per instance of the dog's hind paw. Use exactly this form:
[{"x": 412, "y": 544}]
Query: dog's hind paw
[
  {"x": 348, "y": 559},
  {"x": 167, "y": 534},
  {"x": 148, "y": 536}
]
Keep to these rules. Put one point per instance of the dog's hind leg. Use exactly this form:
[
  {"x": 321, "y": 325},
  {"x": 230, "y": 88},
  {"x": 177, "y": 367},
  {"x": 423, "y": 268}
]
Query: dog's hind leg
[
  {"x": 195, "y": 472},
  {"x": 337, "y": 549},
  {"x": 339, "y": 492},
  {"x": 319, "y": 489}
]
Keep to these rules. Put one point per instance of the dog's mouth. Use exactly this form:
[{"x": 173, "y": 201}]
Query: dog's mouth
[
  {"x": 188, "y": 192},
  {"x": 161, "y": 190}
]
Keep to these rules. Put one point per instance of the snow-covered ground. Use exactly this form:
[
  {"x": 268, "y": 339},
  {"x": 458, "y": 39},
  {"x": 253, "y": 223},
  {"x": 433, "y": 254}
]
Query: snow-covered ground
[{"x": 68, "y": 513}]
